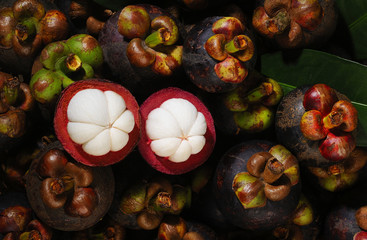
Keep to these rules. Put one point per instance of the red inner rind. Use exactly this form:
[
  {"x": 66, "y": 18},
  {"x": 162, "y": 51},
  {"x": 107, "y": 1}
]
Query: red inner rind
[
  {"x": 162, "y": 164},
  {"x": 61, "y": 120}
]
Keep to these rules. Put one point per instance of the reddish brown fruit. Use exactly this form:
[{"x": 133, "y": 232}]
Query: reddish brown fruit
[
  {"x": 108, "y": 133},
  {"x": 178, "y": 131}
]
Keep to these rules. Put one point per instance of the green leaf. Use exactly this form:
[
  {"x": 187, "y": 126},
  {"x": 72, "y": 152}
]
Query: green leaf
[
  {"x": 351, "y": 10},
  {"x": 309, "y": 67},
  {"x": 359, "y": 37}
]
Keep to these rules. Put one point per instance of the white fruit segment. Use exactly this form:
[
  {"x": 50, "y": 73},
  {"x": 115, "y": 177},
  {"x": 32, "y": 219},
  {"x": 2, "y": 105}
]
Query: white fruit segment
[
  {"x": 176, "y": 130},
  {"x": 99, "y": 121}
]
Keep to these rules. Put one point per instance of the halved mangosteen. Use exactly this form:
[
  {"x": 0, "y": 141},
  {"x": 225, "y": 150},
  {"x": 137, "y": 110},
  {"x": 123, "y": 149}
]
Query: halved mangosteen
[
  {"x": 257, "y": 185},
  {"x": 178, "y": 132},
  {"x": 317, "y": 124},
  {"x": 65, "y": 194},
  {"x": 97, "y": 122}
]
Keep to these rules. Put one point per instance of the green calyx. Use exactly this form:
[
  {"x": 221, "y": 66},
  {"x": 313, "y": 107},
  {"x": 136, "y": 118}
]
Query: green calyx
[
  {"x": 66, "y": 62},
  {"x": 255, "y": 119},
  {"x": 249, "y": 190},
  {"x": 10, "y": 91},
  {"x": 334, "y": 183},
  {"x": 87, "y": 48},
  {"x": 304, "y": 213},
  {"x": 46, "y": 85},
  {"x": 133, "y": 200},
  {"x": 27, "y": 29}
]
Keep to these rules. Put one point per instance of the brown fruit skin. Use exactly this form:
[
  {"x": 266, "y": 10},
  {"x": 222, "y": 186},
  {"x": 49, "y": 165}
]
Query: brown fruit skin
[
  {"x": 315, "y": 37},
  {"x": 287, "y": 120},
  {"x": 57, "y": 218},
  {"x": 273, "y": 214}
]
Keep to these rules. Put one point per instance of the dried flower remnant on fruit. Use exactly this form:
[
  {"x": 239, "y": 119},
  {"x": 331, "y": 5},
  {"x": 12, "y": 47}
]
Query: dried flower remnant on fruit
[
  {"x": 270, "y": 176},
  {"x": 231, "y": 48},
  {"x": 152, "y": 41},
  {"x": 176, "y": 130},
  {"x": 99, "y": 121},
  {"x": 66, "y": 185},
  {"x": 287, "y": 20},
  {"x": 330, "y": 121}
]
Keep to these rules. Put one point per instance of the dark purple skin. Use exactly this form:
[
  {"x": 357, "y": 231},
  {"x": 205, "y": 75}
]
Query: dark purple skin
[
  {"x": 273, "y": 214},
  {"x": 12, "y": 62},
  {"x": 199, "y": 65},
  {"x": 57, "y": 218},
  {"x": 287, "y": 128},
  {"x": 140, "y": 81}
]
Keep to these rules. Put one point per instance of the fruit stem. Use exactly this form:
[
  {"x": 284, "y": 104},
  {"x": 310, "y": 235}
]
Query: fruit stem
[
  {"x": 279, "y": 22},
  {"x": 27, "y": 29},
  {"x": 69, "y": 63},
  {"x": 160, "y": 36},
  {"x": 257, "y": 94},
  {"x": 274, "y": 169},
  {"x": 236, "y": 44},
  {"x": 61, "y": 185},
  {"x": 162, "y": 202},
  {"x": 333, "y": 119}
]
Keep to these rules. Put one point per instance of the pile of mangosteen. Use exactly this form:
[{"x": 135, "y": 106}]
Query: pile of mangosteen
[{"x": 161, "y": 120}]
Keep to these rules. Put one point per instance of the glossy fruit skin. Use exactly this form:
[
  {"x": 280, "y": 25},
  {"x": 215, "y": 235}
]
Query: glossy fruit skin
[
  {"x": 195, "y": 160},
  {"x": 57, "y": 218},
  {"x": 199, "y": 65},
  {"x": 287, "y": 118},
  {"x": 273, "y": 214},
  {"x": 141, "y": 81}
]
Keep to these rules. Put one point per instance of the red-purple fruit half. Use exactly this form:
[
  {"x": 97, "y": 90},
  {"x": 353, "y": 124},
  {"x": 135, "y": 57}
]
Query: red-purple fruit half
[
  {"x": 65, "y": 194},
  {"x": 318, "y": 124},
  {"x": 257, "y": 185},
  {"x": 295, "y": 23},
  {"x": 218, "y": 53},
  {"x": 97, "y": 122},
  {"x": 178, "y": 132}
]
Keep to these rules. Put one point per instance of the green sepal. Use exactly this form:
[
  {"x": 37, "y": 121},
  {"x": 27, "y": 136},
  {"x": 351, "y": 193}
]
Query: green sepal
[
  {"x": 52, "y": 53},
  {"x": 45, "y": 86},
  {"x": 255, "y": 119},
  {"x": 133, "y": 199},
  {"x": 304, "y": 212},
  {"x": 242, "y": 186}
]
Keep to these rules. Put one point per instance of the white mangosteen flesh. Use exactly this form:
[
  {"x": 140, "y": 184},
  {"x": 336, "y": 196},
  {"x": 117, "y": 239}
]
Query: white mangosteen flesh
[
  {"x": 99, "y": 121},
  {"x": 176, "y": 130}
]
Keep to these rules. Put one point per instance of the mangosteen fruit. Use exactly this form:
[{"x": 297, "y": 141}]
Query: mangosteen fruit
[
  {"x": 63, "y": 62},
  {"x": 218, "y": 53},
  {"x": 177, "y": 133},
  {"x": 67, "y": 195},
  {"x": 16, "y": 101},
  {"x": 248, "y": 109},
  {"x": 340, "y": 176},
  {"x": 317, "y": 124},
  {"x": 176, "y": 227},
  {"x": 143, "y": 204},
  {"x": 97, "y": 122},
  {"x": 142, "y": 48},
  {"x": 257, "y": 185},
  {"x": 27, "y": 26},
  {"x": 294, "y": 23}
]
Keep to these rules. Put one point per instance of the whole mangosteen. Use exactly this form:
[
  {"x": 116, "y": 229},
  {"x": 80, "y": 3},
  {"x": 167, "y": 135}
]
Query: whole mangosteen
[
  {"x": 142, "y": 48},
  {"x": 257, "y": 185},
  {"x": 317, "y": 124},
  {"x": 218, "y": 53},
  {"x": 65, "y": 194}
]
